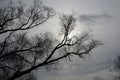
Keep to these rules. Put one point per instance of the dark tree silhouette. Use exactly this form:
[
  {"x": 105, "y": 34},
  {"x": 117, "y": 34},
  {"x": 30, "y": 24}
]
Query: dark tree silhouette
[
  {"x": 117, "y": 68},
  {"x": 20, "y": 55},
  {"x": 117, "y": 64}
]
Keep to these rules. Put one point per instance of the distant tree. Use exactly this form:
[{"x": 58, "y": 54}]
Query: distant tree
[
  {"x": 117, "y": 68},
  {"x": 20, "y": 55},
  {"x": 117, "y": 64}
]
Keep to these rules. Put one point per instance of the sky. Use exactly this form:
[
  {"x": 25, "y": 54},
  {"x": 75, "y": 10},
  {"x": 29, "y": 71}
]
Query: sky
[{"x": 101, "y": 16}]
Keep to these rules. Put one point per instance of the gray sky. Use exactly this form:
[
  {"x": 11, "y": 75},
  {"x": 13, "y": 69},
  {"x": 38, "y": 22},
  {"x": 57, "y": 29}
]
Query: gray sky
[{"x": 103, "y": 17}]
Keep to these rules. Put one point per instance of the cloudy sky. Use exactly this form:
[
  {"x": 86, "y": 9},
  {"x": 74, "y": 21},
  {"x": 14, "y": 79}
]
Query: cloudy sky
[{"x": 101, "y": 16}]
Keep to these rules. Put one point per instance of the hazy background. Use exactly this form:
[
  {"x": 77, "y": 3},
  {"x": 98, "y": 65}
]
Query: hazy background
[{"x": 101, "y": 16}]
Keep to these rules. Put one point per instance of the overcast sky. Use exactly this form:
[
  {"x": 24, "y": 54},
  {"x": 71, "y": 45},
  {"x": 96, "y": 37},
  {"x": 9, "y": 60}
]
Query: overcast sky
[{"x": 103, "y": 17}]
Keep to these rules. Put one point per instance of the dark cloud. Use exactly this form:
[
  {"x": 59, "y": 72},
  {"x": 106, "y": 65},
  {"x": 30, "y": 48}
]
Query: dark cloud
[{"x": 92, "y": 18}]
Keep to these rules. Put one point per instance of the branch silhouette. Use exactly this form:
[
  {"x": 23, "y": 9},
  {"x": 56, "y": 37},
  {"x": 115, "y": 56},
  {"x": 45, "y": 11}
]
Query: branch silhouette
[{"x": 21, "y": 56}]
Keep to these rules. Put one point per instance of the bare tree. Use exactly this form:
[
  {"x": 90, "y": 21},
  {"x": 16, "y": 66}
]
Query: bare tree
[
  {"x": 14, "y": 46},
  {"x": 20, "y": 55}
]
